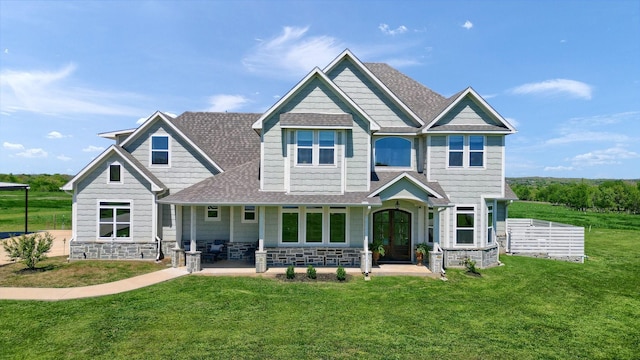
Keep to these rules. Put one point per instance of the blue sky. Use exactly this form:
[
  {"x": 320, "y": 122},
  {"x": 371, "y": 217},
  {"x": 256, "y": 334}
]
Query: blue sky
[{"x": 566, "y": 73}]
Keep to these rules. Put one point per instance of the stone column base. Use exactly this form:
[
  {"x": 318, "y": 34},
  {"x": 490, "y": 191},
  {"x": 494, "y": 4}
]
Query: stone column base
[
  {"x": 366, "y": 259},
  {"x": 193, "y": 261},
  {"x": 435, "y": 262},
  {"x": 261, "y": 261},
  {"x": 177, "y": 257}
]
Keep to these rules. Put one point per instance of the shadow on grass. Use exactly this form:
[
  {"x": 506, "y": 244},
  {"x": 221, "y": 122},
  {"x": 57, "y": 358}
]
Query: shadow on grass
[{"x": 37, "y": 269}]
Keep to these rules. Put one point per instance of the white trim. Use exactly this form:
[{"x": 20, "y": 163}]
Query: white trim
[
  {"x": 212, "y": 218},
  {"x": 466, "y": 152},
  {"x": 347, "y": 54},
  {"x": 112, "y": 135},
  {"x": 369, "y": 158},
  {"x": 315, "y": 149},
  {"x": 154, "y": 216},
  {"x": 412, "y": 157},
  {"x": 281, "y": 211},
  {"x": 428, "y": 158},
  {"x": 151, "y": 150},
  {"x": 475, "y": 97},
  {"x": 503, "y": 184},
  {"x": 475, "y": 225},
  {"x": 178, "y": 209},
  {"x": 410, "y": 178},
  {"x": 158, "y": 115},
  {"x": 192, "y": 229},
  {"x": 74, "y": 217},
  {"x": 315, "y": 73},
  {"x": 121, "y": 175},
  {"x": 287, "y": 159},
  {"x": 115, "y": 237},
  {"x": 262, "y": 161},
  {"x": 244, "y": 212},
  {"x": 342, "y": 136},
  {"x": 113, "y": 148}
]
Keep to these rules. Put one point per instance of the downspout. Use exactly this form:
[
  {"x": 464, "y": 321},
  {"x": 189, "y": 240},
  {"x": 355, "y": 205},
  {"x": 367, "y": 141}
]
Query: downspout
[{"x": 367, "y": 270}]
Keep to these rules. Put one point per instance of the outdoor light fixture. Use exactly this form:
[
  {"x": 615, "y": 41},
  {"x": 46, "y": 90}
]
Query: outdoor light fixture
[{"x": 397, "y": 205}]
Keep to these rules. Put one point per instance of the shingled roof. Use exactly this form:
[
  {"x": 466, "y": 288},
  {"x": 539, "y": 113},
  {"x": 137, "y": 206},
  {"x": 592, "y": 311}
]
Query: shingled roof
[{"x": 206, "y": 129}]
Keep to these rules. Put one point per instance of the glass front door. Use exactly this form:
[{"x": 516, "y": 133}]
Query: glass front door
[{"x": 393, "y": 229}]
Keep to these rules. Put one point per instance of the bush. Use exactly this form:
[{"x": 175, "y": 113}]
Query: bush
[
  {"x": 311, "y": 272},
  {"x": 291, "y": 272},
  {"x": 341, "y": 274},
  {"x": 471, "y": 266},
  {"x": 30, "y": 249}
]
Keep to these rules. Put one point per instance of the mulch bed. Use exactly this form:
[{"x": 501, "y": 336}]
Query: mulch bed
[{"x": 319, "y": 278}]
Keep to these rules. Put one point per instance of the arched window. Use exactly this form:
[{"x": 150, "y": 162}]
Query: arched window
[{"x": 393, "y": 151}]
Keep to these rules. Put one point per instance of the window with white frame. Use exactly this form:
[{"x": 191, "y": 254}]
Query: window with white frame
[
  {"x": 212, "y": 213},
  {"x": 393, "y": 152},
  {"x": 249, "y": 215},
  {"x": 465, "y": 225},
  {"x": 489, "y": 224},
  {"x": 160, "y": 150},
  {"x": 337, "y": 225},
  {"x": 115, "y": 173},
  {"x": 289, "y": 224},
  {"x": 315, "y": 147},
  {"x": 466, "y": 151},
  {"x": 430, "y": 226},
  {"x": 114, "y": 220},
  {"x": 313, "y": 225}
]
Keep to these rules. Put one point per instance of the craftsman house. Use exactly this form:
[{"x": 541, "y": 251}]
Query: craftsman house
[{"x": 353, "y": 154}]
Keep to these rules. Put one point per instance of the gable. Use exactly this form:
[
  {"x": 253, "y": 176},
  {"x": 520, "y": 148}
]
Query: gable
[
  {"x": 466, "y": 112},
  {"x": 404, "y": 189}
]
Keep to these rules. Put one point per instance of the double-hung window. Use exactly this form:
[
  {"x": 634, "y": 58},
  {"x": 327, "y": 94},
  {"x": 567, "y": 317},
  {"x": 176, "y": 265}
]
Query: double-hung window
[
  {"x": 114, "y": 220},
  {"x": 489, "y": 224},
  {"x": 160, "y": 150},
  {"x": 466, "y": 151},
  {"x": 115, "y": 173},
  {"x": 465, "y": 217},
  {"x": 315, "y": 147}
]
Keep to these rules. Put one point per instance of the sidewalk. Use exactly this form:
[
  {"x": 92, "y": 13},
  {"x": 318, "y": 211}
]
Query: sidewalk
[{"x": 53, "y": 294}]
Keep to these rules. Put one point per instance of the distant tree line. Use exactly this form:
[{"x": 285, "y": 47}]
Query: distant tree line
[
  {"x": 607, "y": 196},
  {"x": 39, "y": 182}
]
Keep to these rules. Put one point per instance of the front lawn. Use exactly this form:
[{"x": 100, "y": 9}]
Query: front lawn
[{"x": 528, "y": 309}]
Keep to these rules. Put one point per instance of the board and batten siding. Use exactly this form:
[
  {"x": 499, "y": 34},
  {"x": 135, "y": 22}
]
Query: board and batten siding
[
  {"x": 187, "y": 166},
  {"x": 368, "y": 96},
  {"x": 94, "y": 188}
]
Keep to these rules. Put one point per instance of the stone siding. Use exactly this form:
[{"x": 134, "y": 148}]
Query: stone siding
[
  {"x": 483, "y": 257},
  {"x": 112, "y": 251},
  {"x": 302, "y": 256},
  {"x": 240, "y": 250}
]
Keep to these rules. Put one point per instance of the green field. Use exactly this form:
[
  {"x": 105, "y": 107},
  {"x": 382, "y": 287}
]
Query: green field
[
  {"x": 47, "y": 211},
  {"x": 528, "y": 309}
]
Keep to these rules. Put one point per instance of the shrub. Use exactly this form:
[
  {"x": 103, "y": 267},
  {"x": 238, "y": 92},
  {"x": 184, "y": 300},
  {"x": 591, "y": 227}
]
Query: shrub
[
  {"x": 291, "y": 272},
  {"x": 471, "y": 266},
  {"x": 30, "y": 249},
  {"x": 341, "y": 274},
  {"x": 311, "y": 272}
]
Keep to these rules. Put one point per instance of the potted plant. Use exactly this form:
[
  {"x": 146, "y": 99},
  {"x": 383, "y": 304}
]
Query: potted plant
[
  {"x": 421, "y": 252},
  {"x": 377, "y": 249}
]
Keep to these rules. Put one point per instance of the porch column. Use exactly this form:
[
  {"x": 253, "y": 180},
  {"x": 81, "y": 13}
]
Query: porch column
[
  {"x": 192, "y": 228},
  {"x": 177, "y": 253},
  {"x": 261, "y": 253},
  {"x": 193, "y": 256},
  {"x": 365, "y": 257}
]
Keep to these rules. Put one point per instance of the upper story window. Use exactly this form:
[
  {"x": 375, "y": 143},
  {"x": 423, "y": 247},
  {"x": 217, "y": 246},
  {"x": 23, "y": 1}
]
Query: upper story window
[
  {"x": 160, "y": 150},
  {"x": 393, "y": 151},
  {"x": 115, "y": 173},
  {"x": 466, "y": 151},
  {"x": 315, "y": 147}
]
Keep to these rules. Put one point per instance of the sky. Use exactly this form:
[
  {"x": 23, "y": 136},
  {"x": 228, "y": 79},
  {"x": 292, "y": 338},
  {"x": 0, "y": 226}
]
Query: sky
[{"x": 565, "y": 73}]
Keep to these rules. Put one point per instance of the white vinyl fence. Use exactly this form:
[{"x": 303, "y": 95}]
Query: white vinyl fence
[{"x": 545, "y": 239}]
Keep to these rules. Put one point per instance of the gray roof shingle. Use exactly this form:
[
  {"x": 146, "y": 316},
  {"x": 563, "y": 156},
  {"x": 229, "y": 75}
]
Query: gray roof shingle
[{"x": 316, "y": 119}]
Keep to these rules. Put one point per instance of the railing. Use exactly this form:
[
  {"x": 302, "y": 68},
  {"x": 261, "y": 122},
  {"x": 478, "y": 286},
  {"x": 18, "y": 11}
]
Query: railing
[{"x": 546, "y": 238}]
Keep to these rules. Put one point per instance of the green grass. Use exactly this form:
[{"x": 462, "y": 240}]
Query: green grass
[
  {"x": 562, "y": 214},
  {"x": 58, "y": 272},
  {"x": 47, "y": 210},
  {"x": 528, "y": 309}
]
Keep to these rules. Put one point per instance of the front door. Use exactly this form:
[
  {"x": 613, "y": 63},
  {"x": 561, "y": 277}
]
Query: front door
[{"x": 393, "y": 229}]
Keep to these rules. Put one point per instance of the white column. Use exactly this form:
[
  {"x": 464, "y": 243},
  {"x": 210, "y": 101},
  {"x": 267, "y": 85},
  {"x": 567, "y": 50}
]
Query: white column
[
  {"x": 231, "y": 210},
  {"x": 178, "y": 226},
  {"x": 421, "y": 224},
  {"x": 193, "y": 229},
  {"x": 261, "y": 226}
]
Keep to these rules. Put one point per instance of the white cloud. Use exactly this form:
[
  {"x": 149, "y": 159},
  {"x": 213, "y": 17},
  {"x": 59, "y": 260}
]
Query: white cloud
[
  {"x": 33, "y": 153},
  {"x": 559, "y": 168},
  {"x": 10, "y": 146},
  {"x": 141, "y": 120},
  {"x": 513, "y": 122},
  {"x": 92, "y": 148},
  {"x": 224, "y": 102},
  {"x": 556, "y": 86},
  {"x": 386, "y": 30},
  {"x": 292, "y": 53},
  {"x": 55, "y": 135},
  {"x": 467, "y": 25},
  {"x": 63, "y": 158},
  {"x": 54, "y": 93},
  {"x": 609, "y": 156}
]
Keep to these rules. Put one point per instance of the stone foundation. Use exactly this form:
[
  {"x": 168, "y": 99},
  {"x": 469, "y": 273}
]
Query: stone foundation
[
  {"x": 303, "y": 256},
  {"x": 435, "y": 261},
  {"x": 112, "y": 250},
  {"x": 193, "y": 259},
  {"x": 483, "y": 257}
]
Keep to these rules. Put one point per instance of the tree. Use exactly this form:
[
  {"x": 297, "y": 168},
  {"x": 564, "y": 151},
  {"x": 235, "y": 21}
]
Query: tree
[{"x": 30, "y": 249}]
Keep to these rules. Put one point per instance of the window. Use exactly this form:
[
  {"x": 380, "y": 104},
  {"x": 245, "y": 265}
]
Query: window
[
  {"x": 456, "y": 150},
  {"x": 430, "y": 227},
  {"x": 289, "y": 225},
  {"x": 114, "y": 220},
  {"x": 393, "y": 151},
  {"x": 465, "y": 225},
  {"x": 249, "y": 214},
  {"x": 212, "y": 213},
  {"x": 489, "y": 224},
  {"x": 115, "y": 173},
  {"x": 313, "y": 230},
  {"x": 315, "y": 147},
  {"x": 160, "y": 150},
  {"x": 476, "y": 151},
  {"x": 466, "y": 151},
  {"x": 337, "y": 225}
]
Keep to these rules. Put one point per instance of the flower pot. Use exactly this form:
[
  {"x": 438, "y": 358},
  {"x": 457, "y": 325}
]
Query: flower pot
[
  {"x": 419, "y": 257},
  {"x": 376, "y": 257}
]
